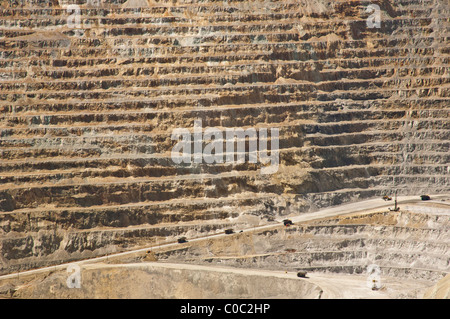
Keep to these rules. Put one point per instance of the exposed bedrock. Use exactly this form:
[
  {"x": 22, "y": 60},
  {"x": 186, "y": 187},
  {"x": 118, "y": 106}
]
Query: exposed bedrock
[{"x": 87, "y": 113}]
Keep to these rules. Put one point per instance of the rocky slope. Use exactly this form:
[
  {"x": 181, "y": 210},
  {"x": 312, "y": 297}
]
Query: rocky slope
[{"x": 87, "y": 113}]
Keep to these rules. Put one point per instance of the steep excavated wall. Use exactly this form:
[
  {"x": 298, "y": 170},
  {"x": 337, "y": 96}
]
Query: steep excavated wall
[
  {"x": 87, "y": 113},
  {"x": 410, "y": 247},
  {"x": 409, "y": 244}
]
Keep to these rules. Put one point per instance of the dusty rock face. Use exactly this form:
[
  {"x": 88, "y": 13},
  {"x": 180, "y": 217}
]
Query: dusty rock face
[{"x": 88, "y": 107}]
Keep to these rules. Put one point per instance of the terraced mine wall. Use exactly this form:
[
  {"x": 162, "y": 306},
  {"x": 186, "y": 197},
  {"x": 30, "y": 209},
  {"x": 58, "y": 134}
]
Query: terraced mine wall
[{"x": 89, "y": 100}]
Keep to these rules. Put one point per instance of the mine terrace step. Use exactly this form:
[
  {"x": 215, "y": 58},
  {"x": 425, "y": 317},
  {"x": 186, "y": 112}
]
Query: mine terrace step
[
  {"x": 300, "y": 135},
  {"x": 302, "y": 109},
  {"x": 39, "y": 58},
  {"x": 233, "y": 73},
  {"x": 32, "y": 135},
  {"x": 211, "y": 13},
  {"x": 382, "y": 47},
  {"x": 105, "y": 18},
  {"x": 379, "y": 87},
  {"x": 281, "y": 50},
  {"x": 244, "y": 199},
  {"x": 125, "y": 169},
  {"x": 102, "y": 170},
  {"x": 205, "y": 32},
  {"x": 268, "y": 94},
  {"x": 121, "y": 191},
  {"x": 105, "y": 85},
  {"x": 195, "y": 61},
  {"x": 378, "y": 149},
  {"x": 120, "y": 216},
  {"x": 100, "y": 146},
  {"x": 347, "y": 121},
  {"x": 333, "y": 69},
  {"x": 319, "y": 156},
  {"x": 309, "y": 112}
]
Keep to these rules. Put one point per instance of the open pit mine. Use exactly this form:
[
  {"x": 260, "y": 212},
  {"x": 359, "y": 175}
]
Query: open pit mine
[{"x": 171, "y": 149}]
